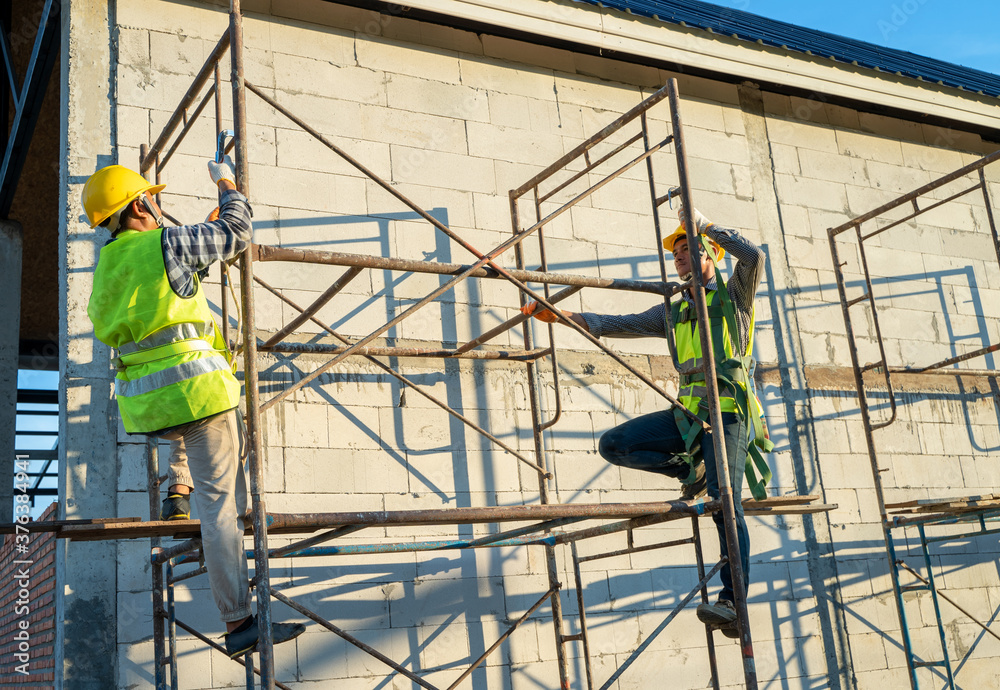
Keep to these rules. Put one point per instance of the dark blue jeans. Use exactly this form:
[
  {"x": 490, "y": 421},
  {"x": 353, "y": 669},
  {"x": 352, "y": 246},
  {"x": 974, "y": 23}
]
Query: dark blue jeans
[{"x": 651, "y": 442}]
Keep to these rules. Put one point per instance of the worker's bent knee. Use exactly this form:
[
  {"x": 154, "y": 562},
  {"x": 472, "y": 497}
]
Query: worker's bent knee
[{"x": 611, "y": 448}]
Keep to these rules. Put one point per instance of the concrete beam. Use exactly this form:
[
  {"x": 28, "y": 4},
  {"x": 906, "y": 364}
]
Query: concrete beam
[
  {"x": 10, "y": 322},
  {"x": 808, "y": 478},
  {"x": 86, "y": 600}
]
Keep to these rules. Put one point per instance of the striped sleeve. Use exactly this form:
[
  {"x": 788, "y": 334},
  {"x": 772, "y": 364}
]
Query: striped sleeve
[
  {"x": 747, "y": 274},
  {"x": 190, "y": 249}
]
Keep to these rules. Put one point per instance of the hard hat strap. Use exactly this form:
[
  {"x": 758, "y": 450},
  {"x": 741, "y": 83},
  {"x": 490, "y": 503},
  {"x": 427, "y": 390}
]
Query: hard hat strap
[
  {"x": 113, "y": 221},
  {"x": 152, "y": 210}
]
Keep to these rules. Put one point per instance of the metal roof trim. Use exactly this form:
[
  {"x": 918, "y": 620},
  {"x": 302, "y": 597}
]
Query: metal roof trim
[{"x": 752, "y": 28}]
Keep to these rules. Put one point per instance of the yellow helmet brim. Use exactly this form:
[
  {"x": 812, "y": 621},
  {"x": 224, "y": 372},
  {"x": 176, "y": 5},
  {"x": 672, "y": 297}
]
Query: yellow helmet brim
[
  {"x": 670, "y": 240},
  {"x": 110, "y": 189}
]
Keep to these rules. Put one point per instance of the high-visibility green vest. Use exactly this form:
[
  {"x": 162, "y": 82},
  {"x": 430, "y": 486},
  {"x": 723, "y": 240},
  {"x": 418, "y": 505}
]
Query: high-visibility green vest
[
  {"x": 733, "y": 374},
  {"x": 173, "y": 365},
  {"x": 688, "y": 343}
]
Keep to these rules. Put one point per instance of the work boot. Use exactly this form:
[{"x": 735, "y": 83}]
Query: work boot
[
  {"x": 718, "y": 614},
  {"x": 176, "y": 507},
  {"x": 244, "y": 639},
  {"x": 730, "y": 630},
  {"x": 697, "y": 488}
]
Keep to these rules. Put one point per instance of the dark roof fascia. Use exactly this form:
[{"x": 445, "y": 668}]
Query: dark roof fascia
[
  {"x": 746, "y": 27},
  {"x": 992, "y": 134}
]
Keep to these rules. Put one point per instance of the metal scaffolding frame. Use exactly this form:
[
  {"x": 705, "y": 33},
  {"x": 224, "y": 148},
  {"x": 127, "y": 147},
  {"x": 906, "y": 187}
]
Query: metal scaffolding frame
[
  {"x": 974, "y": 511},
  {"x": 547, "y": 520}
]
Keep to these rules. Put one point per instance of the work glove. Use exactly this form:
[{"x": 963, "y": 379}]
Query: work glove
[
  {"x": 221, "y": 171},
  {"x": 700, "y": 221},
  {"x": 543, "y": 315},
  {"x": 214, "y": 215}
]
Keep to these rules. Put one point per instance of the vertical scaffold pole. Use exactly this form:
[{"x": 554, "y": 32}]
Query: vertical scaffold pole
[
  {"x": 551, "y": 565},
  {"x": 223, "y": 271},
  {"x": 890, "y": 549},
  {"x": 171, "y": 625},
  {"x": 715, "y": 412},
  {"x": 153, "y": 487},
  {"x": 265, "y": 645}
]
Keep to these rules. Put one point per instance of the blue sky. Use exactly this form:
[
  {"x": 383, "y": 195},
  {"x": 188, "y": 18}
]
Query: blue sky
[
  {"x": 959, "y": 31},
  {"x": 30, "y": 422}
]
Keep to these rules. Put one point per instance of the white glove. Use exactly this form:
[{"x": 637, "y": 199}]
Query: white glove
[
  {"x": 221, "y": 171},
  {"x": 699, "y": 220}
]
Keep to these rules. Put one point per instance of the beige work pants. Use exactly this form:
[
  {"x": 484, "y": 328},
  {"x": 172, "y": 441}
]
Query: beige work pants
[{"x": 207, "y": 455}]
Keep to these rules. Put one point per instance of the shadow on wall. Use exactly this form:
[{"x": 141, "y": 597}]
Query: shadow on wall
[
  {"x": 405, "y": 586},
  {"x": 428, "y": 615}
]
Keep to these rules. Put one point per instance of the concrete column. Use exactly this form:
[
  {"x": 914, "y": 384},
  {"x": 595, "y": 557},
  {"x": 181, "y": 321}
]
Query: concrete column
[
  {"x": 88, "y": 466},
  {"x": 808, "y": 479},
  {"x": 10, "y": 325}
]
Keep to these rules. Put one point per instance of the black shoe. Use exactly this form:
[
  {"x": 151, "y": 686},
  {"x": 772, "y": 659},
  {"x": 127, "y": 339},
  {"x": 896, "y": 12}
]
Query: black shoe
[
  {"x": 719, "y": 614},
  {"x": 176, "y": 507},
  {"x": 697, "y": 488},
  {"x": 244, "y": 639}
]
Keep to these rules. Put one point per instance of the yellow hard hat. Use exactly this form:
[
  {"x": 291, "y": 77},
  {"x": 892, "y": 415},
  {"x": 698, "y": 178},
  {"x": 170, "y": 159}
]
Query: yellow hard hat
[
  {"x": 110, "y": 189},
  {"x": 679, "y": 234}
]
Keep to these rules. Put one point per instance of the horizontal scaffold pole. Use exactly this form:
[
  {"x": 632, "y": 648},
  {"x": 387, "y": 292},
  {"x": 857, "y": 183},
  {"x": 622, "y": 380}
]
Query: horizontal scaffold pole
[{"x": 268, "y": 253}]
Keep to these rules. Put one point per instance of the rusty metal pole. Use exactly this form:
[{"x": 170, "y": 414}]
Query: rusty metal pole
[
  {"x": 153, "y": 489},
  {"x": 696, "y": 532},
  {"x": 265, "y": 645},
  {"x": 153, "y": 486},
  {"x": 582, "y": 608},
  {"x": 873, "y": 459},
  {"x": 223, "y": 272},
  {"x": 715, "y": 412},
  {"x": 171, "y": 626},
  {"x": 709, "y": 640},
  {"x": 551, "y": 565}
]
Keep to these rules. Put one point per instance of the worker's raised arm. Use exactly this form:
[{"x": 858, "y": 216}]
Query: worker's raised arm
[
  {"x": 749, "y": 263},
  {"x": 749, "y": 258},
  {"x": 188, "y": 249}
]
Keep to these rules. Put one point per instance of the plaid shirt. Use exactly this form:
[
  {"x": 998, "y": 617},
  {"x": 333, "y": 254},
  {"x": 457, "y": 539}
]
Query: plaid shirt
[
  {"x": 189, "y": 250},
  {"x": 742, "y": 288}
]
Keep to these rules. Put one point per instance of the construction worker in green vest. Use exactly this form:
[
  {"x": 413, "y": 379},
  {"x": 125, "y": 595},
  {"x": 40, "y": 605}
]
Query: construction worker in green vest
[
  {"x": 667, "y": 442},
  {"x": 175, "y": 375}
]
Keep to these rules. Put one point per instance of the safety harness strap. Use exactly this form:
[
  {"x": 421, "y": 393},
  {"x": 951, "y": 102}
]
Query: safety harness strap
[{"x": 733, "y": 375}]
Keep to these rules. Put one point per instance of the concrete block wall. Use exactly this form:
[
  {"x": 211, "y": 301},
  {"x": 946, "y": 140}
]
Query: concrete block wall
[
  {"x": 831, "y": 168},
  {"x": 454, "y": 120}
]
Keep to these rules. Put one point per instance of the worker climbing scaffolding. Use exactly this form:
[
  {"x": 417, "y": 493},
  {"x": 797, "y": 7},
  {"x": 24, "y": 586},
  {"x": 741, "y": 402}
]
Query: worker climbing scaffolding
[
  {"x": 668, "y": 442},
  {"x": 174, "y": 372}
]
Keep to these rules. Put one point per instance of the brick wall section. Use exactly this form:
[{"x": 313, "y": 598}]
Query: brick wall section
[{"x": 42, "y": 609}]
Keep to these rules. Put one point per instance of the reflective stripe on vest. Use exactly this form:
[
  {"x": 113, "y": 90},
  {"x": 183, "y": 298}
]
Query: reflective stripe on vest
[
  {"x": 170, "y": 334},
  {"x": 693, "y": 391},
  {"x": 167, "y": 377},
  {"x": 162, "y": 352}
]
